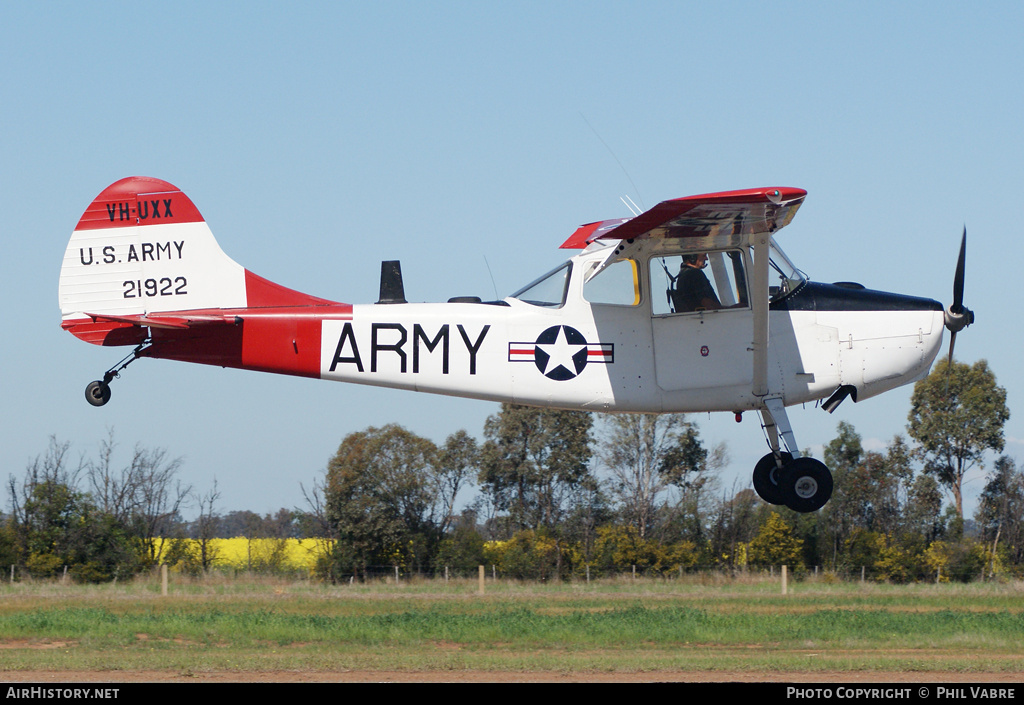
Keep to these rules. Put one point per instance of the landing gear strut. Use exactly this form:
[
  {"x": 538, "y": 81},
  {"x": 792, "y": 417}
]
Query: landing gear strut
[
  {"x": 785, "y": 478},
  {"x": 97, "y": 392}
]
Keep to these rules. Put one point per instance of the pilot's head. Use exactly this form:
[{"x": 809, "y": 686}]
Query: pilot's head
[{"x": 698, "y": 261}]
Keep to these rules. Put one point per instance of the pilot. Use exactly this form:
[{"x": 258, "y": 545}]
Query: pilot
[{"x": 693, "y": 291}]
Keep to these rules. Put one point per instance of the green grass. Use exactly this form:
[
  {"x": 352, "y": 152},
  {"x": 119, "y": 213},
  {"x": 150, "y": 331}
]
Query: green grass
[{"x": 621, "y": 626}]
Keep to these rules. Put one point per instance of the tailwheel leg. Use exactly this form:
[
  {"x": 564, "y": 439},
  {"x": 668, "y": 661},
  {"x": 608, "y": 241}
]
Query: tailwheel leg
[
  {"x": 780, "y": 477},
  {"x": 97, "y": 392}
]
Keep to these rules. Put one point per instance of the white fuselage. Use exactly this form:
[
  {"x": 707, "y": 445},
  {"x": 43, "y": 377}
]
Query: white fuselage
[{"x": 625, "y": 357}]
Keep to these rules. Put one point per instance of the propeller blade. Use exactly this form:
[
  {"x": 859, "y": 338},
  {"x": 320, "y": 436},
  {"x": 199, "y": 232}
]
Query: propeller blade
[
  {"x": 961, "y": 316},
  {"x": 958, "y": 278},
  {"x": 949, "y": 360}
]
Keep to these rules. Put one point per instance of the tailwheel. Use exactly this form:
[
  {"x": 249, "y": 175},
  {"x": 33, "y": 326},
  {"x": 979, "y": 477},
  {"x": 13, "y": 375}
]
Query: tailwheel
[
  {"x": 766, "y": 478},
  {"x": 97, "y": 393},
  {"x": 806, "y": 485}
]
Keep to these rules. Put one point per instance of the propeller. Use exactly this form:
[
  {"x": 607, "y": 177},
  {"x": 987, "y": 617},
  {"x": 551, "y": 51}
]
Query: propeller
[{"x": 957, "y": 316}]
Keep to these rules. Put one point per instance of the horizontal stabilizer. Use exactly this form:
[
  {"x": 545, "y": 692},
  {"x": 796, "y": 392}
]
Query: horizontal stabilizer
[{"x": 182, "y": 321}]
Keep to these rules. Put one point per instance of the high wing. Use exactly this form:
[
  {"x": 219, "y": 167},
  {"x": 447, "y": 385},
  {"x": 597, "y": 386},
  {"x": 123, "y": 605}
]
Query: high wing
[
  {"x": 729, "y": 213},
  {"x": 727, "y": 219},
  {"x": 586, "y": 234}
]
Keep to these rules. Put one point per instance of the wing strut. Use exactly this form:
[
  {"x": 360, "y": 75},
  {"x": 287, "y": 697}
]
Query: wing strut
[{"x": 759, "y": 303}]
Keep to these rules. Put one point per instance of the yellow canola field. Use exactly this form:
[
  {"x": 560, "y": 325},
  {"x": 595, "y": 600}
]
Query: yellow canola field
[{"x": 241, "y": 553}]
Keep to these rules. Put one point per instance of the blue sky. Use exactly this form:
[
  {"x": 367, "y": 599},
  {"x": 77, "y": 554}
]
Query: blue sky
[{"x": 319, "y": 138}]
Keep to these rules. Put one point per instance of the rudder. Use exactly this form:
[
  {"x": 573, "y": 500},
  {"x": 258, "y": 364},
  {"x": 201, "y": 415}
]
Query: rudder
[{"x": 142, "y": 247}]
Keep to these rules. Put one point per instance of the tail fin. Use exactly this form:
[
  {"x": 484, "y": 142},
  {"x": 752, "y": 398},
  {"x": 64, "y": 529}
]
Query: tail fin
[{"x": 142, "y": 248}]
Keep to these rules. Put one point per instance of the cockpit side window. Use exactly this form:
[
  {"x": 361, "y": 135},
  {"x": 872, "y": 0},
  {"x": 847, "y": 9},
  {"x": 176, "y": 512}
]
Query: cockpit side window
[
  {"x": 617, "y": 284},
  {"x": 698, "y": 282},
  {"x": 549, "y": 290}
]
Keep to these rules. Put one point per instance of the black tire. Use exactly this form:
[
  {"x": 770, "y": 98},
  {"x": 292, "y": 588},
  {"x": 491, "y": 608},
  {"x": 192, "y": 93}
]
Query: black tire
[
  {"x": 97, "y": 393},
  {"x": 766, "y": 478},
  {"x": 806, "y": 485}
]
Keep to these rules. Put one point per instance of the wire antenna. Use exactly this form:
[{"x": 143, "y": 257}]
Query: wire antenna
[
  {"x": 495, "y": 286},
  {"x": 635, "y": 189}
]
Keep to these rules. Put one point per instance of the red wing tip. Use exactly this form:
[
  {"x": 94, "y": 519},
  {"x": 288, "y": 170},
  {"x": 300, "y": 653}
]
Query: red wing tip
[{"x": 753, "y": 195}]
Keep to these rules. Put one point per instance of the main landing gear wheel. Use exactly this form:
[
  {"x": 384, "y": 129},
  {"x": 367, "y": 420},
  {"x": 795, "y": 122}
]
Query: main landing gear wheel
[
  {"x": 766, "y": 478},
  {"x": 806, "y": 485},
  {"x": 97, "y": 393}
]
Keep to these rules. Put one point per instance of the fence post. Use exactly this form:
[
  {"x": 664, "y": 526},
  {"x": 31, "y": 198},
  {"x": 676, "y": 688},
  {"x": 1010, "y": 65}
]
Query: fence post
[
  {"x": 396, "y": 574},
  {"x": 784, "y": 576},
  {"x": 862, "y": 568},
  {"x": 480, "y": 589}
]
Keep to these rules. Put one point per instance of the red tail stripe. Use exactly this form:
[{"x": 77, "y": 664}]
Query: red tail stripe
[{"x": 138, "y": 200}]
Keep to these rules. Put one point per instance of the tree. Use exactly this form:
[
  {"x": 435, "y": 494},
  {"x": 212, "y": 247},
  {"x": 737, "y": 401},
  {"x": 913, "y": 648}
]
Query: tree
[
  {"x": 462, "y": 550},
  {"x": 872, "y": 488},
  {"x": 957, "y": 414},
  {"x": 922, "y": 518},
  {"x": 56, "y": 525},
  {"x": 453, "y": 470},
  {"x": 144, "y": 495},
  {"x": 1000, "y": 514},
  {"x": 317, "y": 523},
  {"x": 42, "y": 504},
  {"x": 534, "y": 464},
  {"x": 206, "y": 529},
  {"x": 841, "y": 515},
  {"x": 776, "y": 544},
  {"x": 735, "y": 522},
  {"x": 693, "y": 472},
  {"x": 646, "y": 454},
  {"x": 894, "y": 475},
  {"x": 381, "y": 499}
]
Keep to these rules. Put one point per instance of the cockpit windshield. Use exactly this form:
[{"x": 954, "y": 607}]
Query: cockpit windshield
[
  {"x": 547, "y": 291},
  {"x": 784, "y": 278}
]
